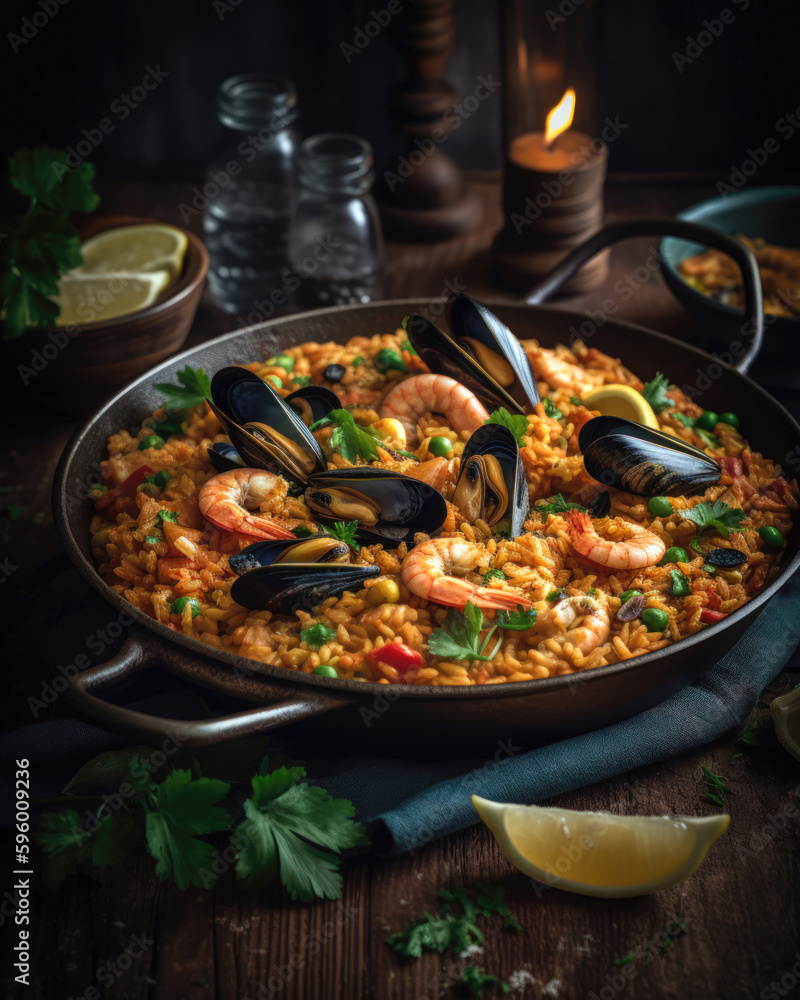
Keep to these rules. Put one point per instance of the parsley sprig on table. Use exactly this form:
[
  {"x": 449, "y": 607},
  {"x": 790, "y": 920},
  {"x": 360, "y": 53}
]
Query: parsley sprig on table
[
  {"x": 459, "y": 636},
  {"x": 194, "y": 386},
  {"x": 348, "y": 438},
  {"x": 40, "y": 244},
  {"x": 716, "y": 790},
  {"x": 655, "y": 392},
  {"x": 515, "y": 422}
]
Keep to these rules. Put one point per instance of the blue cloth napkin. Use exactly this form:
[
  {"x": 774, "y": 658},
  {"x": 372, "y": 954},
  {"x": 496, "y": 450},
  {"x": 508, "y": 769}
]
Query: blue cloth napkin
[{"x": 412, "y": 800}]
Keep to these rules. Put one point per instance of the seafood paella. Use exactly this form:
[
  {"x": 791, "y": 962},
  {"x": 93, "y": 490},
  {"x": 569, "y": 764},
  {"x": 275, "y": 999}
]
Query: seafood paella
[{"x": 431, "y": 508}]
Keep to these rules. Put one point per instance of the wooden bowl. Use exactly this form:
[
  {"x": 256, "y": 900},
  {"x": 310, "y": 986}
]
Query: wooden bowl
[{"x": 78, "y": 367}]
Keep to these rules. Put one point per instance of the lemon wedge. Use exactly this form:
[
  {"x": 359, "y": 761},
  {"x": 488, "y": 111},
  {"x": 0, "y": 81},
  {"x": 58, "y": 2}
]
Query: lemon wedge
[
  {"x": 599, "y": 854},
  {"x": 621, "y": 401},
  {"x": 135, "y": 249},
  {"x": 87, "y": 298},
  {"x": 786, "y": 714}
]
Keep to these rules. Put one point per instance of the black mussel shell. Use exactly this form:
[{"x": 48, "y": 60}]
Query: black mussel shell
[
  {"x": 286, "y": 587},
  {"x": 494, "y": 346},
  {"x": 224, "y": 457},
  {"x": 637, "y": 466},
  {"x": 599, "y": 427},
  {"x": 266, "y": 432},
  {"x": 725, "y": 558},
  {"x": 387, "y": 505},
  {"x": 491, "y": 481},
  {"x": 312, "y": 403},
  {"x": 446, "y": 357},
  {"x": 282, "y": 551},
  {"x": 600, "y": 506}
]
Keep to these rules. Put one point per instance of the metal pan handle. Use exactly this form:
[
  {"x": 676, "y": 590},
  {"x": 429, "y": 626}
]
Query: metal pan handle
[
  {"x": 139, "y": 653},
  {"x": 616, "y": 231}
]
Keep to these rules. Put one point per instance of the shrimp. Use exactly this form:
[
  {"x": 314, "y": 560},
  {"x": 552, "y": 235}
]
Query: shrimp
[
  {"x": 580, "y": 620},
  {"x": 420, "y": 394},
  {"x": 227, "y": 499},
  {"x": 432, "y": 570},
  {"x": 644, "y": 548},
  {"x": 560, "y": 374}
]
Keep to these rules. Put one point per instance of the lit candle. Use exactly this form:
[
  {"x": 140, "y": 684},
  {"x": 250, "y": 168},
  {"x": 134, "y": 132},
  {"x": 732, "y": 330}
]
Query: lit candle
[{"x": 557, "y": 148}]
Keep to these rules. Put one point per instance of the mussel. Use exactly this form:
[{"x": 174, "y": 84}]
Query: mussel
[
  {"x": 224, "y": 457},
  {"x": 264, "y": 431},
  {"x": 643, "y": 461},
  {"x": 388, "y": 506},
  {"x": 491, "y": 482},
  {"x": 312, "y": 403},
  {"x": 446, "y": 356},
  {"x": 319, "y": 548},
  {"x": 287, "y": 587}
]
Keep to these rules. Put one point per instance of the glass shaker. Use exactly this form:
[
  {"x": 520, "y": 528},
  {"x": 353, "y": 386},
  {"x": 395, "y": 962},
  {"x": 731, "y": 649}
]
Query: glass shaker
[
  {"x": 336, "y": 244},
  {"x": 251, "y": 191}
]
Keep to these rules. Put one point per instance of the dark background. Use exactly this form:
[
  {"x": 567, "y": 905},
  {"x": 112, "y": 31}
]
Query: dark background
[{"x": 65, "y": 79}]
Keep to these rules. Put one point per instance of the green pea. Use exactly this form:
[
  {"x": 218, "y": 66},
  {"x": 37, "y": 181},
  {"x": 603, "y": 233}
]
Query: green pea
[
  {"x": 440, "y": 446},
  {"x": 707, "y": 421},
  {"x": 387, "y": 360},
  {"x": 674, "y": 554},
  {"x": 659, "y": 506},
  {"x": 277, "y": 382},
  {"x": 624, "y": 598},
  {"x": 160, "y": 479},
  {"x": 151, "y": 441},
  {"x": 773, "y": 539},
  {"x": 325, "y": 670},
  {"x": 655, "y": 620},
  {"x": 281, "y": 361},
  {"x": 729, "y": 418},
  {"x": 177, "y": 606}
]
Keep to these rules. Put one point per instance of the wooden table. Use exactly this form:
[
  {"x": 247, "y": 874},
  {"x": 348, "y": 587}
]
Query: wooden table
[{"x": 740, "y": 908}]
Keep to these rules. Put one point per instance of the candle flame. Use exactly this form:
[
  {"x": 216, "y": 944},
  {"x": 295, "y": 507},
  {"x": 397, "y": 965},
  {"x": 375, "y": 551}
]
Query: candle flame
[{"x": 560, "y": 118}]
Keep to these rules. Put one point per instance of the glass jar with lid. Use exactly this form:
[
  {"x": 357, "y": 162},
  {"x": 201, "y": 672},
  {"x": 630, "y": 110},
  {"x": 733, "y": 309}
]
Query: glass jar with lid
[{"x": 336, "y": 244}]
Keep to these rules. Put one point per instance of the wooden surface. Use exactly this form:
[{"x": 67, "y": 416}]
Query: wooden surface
[{"x": 741, "y": 907}]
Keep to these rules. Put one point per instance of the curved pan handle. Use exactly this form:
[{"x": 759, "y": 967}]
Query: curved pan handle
[
  {"x": 617, "y": 231},
  {"x": 140, "y": 653}
]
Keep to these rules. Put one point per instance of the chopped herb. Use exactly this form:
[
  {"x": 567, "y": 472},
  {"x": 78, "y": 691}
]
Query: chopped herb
[
  {"x": 714, "y": 515},
  {"x": 558, "y": 505},
  {"x": 686, "y": 421},
  {"x": 160, "y": 479},
  {"x": 301, "y": 381},
  {"x": 694, "y": 544},
  {"x": 408, "y": 346},
  {"x": 194, "y": 386},
  {"x": 592, "y": 592},
  {"x": 436, "y": 933},
  {"x": 655, "y": 392},
  {"x": 575, "y": 401},
  {"x": 151, "y": 539},
  {"x": 406, "y": 454},
  {"x": 476, "y": 981},
  {"x": 556, "y": 595},
  {"x": 511, "y": 924},
  {"x": 165, "y": 428},
  {"x": 459, "y": 637},
  {"x": 493, "y": 574},
  {"x": 707, "y": 568},
  {"x": 345, "y": 531},
  {"x": 518, "y": 620},
  {"x": 515, "y": 422},
  {"x": 357, "y": 361},
  {"x": 317, "y": 635},
  {"x": 168, "y": 515},
  {"x": 389, "y": 360},
  {"x": 680, "y": 583},
  {"x": 625, "y": 960},
  {"x": 757, "y": 734},
  {"x": 348, "y": 438},
  {"x": 302, "y": 532},
  {"x": 715, "y": 785},
  {"x": 711, "y": 440},
  {"x": 551, "y": 410}
]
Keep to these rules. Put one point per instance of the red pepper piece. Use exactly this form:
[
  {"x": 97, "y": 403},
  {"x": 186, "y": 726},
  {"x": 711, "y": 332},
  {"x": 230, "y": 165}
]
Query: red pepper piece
[
  {"x": 709, "y": 617},
  {"x": 125, "y": 488},
  {"x": 731, "y": 466},
  {"x": 394, "y": 654}
]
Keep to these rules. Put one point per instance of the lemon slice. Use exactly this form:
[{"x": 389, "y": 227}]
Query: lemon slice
[
  {"x": 786, "y": 714},
  {"x": 135, "y": 249},
  {"x": 87, "y": 298},
  {"x": 621, "y": 401},
  {"x": 599, "y": 854}
]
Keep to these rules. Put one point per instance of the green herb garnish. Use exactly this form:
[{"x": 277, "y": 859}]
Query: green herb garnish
[
  {"x": 592, "y": 592},
  {"x": 317, "y": 635},
  {"x": 167, "y": 515},
  {"x": 345, "y": 531},
  {"x": 625, "y": 960},
  {"x": 575, "y": 401},
  {"x": 556, "y": 595},
  {"x": 348, "y": 438},
  {"x": 408, "y": 346},
  {"x": 389, "y": 360},
  {"x": 459, "y": 637},
  {"x": 558, "y": 505},
  {"x": 476, "y": 981},
  {"x": 515, "y": 422},
  {"x": 715, "y": 785},
  {"x": 357, "y": 361},
  {"x": 680, "y": 583},
  {"x": 194, "y": 386},
  {"x": 301, "y": 381},
  {"x": 709, "y": 439},
  {"x": 406, "y": 454},
  {"x": 435, "y": 933},
  {"x": 551, "y": 410},
  {"x": 686, "y": 421},
  {"x": 655, "y": 392},
  {"x": 302, "y": 532},
  {"x": 41, "y": 244},
  {"x": 518, "y": 620},
  {"x": 714, "y": 515},
  {"x": 493, "y": 574}
]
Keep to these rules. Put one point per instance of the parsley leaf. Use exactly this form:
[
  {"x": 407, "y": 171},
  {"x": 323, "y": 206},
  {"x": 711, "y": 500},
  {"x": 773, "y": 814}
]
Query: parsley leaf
[
  {"x": 551, "y": 410},
  {"x": 459, "y": 637},
  {"x": 194, "y": 386},
  {"x": 686, "y": 421},
  {"x": 357, "y": 361},
  {"x": 515, "y": 422},
  {"x": 167, "y": 515},
  {"x": 408, "y": 346},
  {"x": 655, "y": 392},
  {"x": 436, "y": 933},
  {"x": 345, "y": 531},
  {"x": 179, "y": 808},
  {"x": 626, "y": 959},
  {"x": 351, "y": 441},
  {"x": 575, "y": 400},
  {"x": 43, "y": 175},
  {"x": 714, "y": 515},
  {"x": 709, "y": 439},
  {"x": 70, "y": 847},
  {"x": 493, "y": 574},
  {"x": 317, "y": 635},
  {"x": 558, "y": 505},
  {"x": 518, "y": 620},
  {"x": 715, "y": 785},
  {"x": 280, "y": 813},
  {"x": 476, "y": 981}
]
